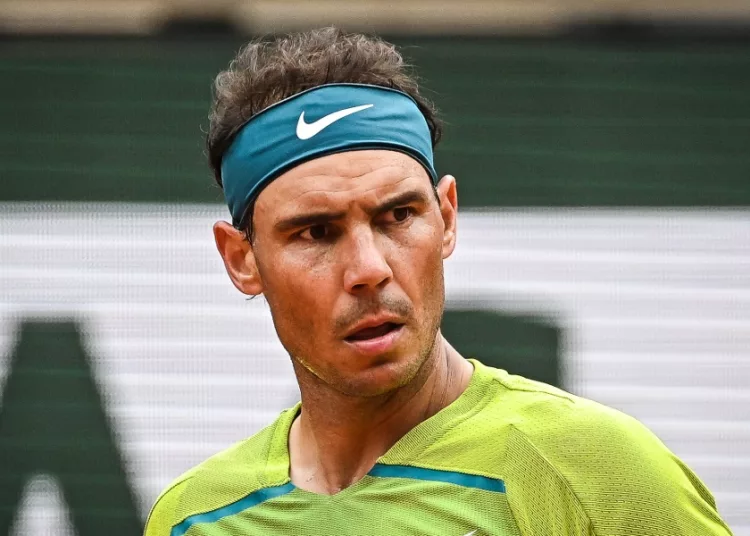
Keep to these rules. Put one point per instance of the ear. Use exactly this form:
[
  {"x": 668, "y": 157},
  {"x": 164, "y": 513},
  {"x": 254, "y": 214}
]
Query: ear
[
  {"x": 448, "y": 196},
  {"x": 239, "y": 258}
]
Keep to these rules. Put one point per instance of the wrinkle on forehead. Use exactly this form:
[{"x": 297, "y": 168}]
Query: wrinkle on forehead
[
  {"x": 347, "y": 191},
  {"x": 340, "y": 180}
]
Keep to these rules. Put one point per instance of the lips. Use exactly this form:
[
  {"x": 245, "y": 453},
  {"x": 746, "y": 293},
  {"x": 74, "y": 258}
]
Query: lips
[{"x": 373, "y": 332}]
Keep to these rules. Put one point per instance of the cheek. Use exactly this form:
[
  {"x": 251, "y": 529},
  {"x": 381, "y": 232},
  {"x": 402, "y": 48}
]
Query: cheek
[
  {"x": 299, "y": 296},
  {"x": 418, "y": 268},
  {"x": 298, "y": 276},
  {"x": 420, "y": 250},
  {"x": 431, "y": 284}
]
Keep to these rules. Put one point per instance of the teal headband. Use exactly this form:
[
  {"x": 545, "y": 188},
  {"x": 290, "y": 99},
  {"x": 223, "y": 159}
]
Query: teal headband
[{"x": 320, "y": 121}]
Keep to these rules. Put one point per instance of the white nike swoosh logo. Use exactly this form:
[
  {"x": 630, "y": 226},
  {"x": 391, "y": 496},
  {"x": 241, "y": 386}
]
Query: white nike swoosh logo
[
  {"x": 305, "y": 131},
  {"x": 470, "y": 533}
]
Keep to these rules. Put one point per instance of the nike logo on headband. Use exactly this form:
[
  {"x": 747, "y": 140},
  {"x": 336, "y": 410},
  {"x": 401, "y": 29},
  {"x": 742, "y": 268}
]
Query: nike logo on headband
[{"x": 305, "y": 131}]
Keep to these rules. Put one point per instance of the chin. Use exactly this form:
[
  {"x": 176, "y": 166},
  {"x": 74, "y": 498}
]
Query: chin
[{"x": 380, "y": 377}]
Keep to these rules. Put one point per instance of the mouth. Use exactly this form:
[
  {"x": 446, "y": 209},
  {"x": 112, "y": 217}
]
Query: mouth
[
  {"x": 373, "y": 332},
  {"x": 375, "y": 340}
]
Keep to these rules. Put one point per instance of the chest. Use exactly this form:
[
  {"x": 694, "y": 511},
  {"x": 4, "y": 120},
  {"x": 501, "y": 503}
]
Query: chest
[{"x": 375, "y": 506}]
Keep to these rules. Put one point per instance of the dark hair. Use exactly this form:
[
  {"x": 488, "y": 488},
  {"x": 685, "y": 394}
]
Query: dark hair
[{"x": 267, "y": 71}]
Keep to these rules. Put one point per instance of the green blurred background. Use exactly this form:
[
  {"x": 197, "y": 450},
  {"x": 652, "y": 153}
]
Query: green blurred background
[{"x": 530, "y": 122}]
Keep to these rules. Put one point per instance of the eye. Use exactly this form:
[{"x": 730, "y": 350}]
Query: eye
[
  {"x": 401, "y": 213},
  {"x": 315, "y": 232}
]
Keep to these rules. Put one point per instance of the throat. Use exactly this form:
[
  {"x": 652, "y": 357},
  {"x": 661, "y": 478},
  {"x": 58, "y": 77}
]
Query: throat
[
  {"x": 320, "y": 466},
  {"x": 336, "y": 439}
]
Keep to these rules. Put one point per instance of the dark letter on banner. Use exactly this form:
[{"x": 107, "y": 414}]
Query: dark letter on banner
[
  {"x": 526, "y": 346},
  {"x": 52, "y": 422}
]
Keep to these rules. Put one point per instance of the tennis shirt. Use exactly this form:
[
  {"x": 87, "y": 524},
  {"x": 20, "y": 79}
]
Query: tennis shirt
[{"x": 509, "y": 457}]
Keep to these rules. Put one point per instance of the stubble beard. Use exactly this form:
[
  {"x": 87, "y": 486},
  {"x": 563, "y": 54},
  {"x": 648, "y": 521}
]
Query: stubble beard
[{"x": 413, "y": 372}]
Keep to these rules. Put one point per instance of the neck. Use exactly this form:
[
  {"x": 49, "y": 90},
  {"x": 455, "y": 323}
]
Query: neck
[{"x": 338, "y": 438}]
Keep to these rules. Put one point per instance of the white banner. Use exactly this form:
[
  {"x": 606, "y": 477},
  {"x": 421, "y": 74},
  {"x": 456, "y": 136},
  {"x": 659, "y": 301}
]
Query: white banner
[{"x": 654, "y": 307}]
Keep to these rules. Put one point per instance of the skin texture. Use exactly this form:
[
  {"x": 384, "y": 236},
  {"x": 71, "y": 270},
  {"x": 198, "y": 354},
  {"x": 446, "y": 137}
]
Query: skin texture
[{"x": 371, "y": 247}]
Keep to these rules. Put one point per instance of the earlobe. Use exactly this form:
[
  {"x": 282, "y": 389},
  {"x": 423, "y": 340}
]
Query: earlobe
[
  {"x": 239, "y": 258},
  {"x": 448, "y": 196}
]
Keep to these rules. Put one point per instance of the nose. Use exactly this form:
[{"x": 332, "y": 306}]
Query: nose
[{"x": 365, "y": 262}]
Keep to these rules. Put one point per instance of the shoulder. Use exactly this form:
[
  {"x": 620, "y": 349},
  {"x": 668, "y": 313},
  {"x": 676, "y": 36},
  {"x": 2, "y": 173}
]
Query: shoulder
[
  {"x": 618, "y": 471},
  {"x": 542, "y": 412},
  {"x": 552, "y": 418},
  {"x": 222, "y": 479}
]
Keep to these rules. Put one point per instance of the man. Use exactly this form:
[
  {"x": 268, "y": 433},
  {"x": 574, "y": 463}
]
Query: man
[{"x": 323, "y": 146}]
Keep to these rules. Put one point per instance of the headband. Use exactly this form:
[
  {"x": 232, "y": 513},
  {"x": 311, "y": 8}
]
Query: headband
[{"x": 320, "y": 121}]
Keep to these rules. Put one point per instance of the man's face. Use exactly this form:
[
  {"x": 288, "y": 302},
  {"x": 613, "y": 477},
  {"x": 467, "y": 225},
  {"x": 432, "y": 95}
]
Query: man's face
[{"x": 348, "y": 251}]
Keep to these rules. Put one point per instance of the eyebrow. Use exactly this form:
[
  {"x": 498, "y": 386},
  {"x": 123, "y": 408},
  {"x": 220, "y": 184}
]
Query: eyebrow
[{"x": 322, "y": 217}]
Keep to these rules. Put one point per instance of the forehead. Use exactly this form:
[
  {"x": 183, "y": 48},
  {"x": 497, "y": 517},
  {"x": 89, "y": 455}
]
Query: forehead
[{"x": 342, "y": 179}]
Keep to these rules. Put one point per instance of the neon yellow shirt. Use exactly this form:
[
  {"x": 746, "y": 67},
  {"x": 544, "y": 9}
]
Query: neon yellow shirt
[{"x": 509, "y": 457}]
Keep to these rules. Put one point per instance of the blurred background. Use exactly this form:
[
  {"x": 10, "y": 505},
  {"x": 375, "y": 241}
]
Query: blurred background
[{"x": 602, "y": 150}]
